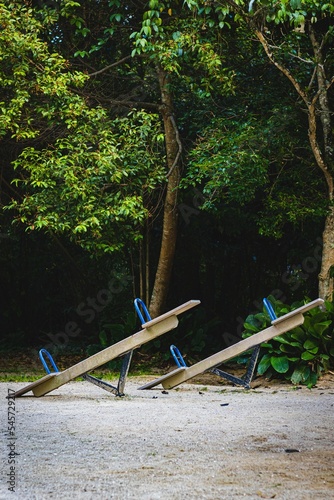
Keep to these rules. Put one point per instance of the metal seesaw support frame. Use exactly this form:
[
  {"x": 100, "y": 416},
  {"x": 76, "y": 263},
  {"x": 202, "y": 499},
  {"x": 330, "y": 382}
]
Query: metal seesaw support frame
[
  {"x": 119, "y": 389},
  {"x": 246, "y": 380},
  {"x": 144, "y": 316}
]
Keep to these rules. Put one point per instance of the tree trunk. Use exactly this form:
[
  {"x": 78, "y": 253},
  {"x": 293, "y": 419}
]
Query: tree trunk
[
  {"x": 318, "y": 105},
  {"x": 326, "y": 276},
  {"x": 169, "y": 231},
  {"x": 326, "y": 282}
]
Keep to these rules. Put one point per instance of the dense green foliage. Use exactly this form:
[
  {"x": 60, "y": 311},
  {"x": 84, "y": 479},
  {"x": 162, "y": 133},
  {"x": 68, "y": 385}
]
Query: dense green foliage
[
  {"x": 91, "y": 184},
  {"x": 37, "y": 85},
  {"x": 302, "y": 354}
]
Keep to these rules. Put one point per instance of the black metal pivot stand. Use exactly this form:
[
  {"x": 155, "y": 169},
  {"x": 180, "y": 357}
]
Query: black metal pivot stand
[
  {"x": 247, "y": 378},
  {"x": 119, "y": 390}
]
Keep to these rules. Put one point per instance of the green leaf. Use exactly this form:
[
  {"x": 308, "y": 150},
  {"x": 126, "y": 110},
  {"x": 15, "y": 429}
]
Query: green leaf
[
  {"x": 264, "y": 364},
  {"x": 281, "y": 339},
  {"x": 300, "y": 374},
  {"x": 103, "y": 338},
  {"x": 298, "y": 335},
  {"x": 321, "y": 327},
  {"x": 251, "y": 327},
  {"x": 289, "y": 349},
  {"x": 312, "y": 380},
  {"x": 297, "y": 375},
  {"x": 280, "y": 363},
  {"x": 307, "y": 356},
  {"x": 309, "y": 344}
]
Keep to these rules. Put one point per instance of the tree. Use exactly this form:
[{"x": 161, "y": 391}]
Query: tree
[
  {"x": 297, "y": 38},
  {"x": 175, "y": 42},
  {"x": 169, "y": 45}
]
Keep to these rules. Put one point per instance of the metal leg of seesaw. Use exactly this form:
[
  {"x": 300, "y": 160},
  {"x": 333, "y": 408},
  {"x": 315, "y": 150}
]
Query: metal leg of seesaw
[
  {"x": 248, "y": 377},
  {"x": 119, "y": 390},
  {"x": 245, "y": 381}
]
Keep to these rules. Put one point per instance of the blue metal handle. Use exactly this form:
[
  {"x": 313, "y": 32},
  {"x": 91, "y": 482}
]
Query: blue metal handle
[
  {"x": 178, "y": 358},
  {"x": 47, "y": 369},
  {"x": 270, "y": 309},
  {"x": 142, "y": 309}
]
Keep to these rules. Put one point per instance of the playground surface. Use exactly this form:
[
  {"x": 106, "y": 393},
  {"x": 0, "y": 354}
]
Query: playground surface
[{"x": 198, "y": 441}]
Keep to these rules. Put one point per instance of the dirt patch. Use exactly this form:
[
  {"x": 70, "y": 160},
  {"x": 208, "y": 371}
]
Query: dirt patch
[{"x": 197, "y": 441}]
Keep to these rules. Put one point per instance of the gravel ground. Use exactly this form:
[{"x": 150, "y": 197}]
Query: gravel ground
[{"x": 196, "y": 441}]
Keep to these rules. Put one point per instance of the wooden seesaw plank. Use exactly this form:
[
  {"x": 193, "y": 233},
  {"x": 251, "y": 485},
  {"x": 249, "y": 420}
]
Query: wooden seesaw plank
[
  {"x": 152, "y": 329},
  {"x": 279, "y": 326},
  {"x": 33, "y": 384}
]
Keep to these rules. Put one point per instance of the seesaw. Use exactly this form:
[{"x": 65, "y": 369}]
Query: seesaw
[
  {"x": 278, "y": 326},
  {"x": 150, "y": 330}
]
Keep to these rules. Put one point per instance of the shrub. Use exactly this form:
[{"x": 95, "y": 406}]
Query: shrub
[{"x": 300, "y": 355}]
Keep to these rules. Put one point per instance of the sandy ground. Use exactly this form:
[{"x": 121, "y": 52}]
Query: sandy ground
[{"x": 196, "y": 441}]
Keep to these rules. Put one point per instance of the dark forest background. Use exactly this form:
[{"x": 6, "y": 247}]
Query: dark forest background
[{"x": 241, "y": 238}]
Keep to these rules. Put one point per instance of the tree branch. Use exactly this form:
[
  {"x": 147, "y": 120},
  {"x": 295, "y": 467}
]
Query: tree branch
[
  {"x": 307, "y": 61},
  {"x": 110, "y": 66},
  {"x": 135, "y": 104},
  {"x": 283, "y": 70},
  {"x": 330, "y": 83}
]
